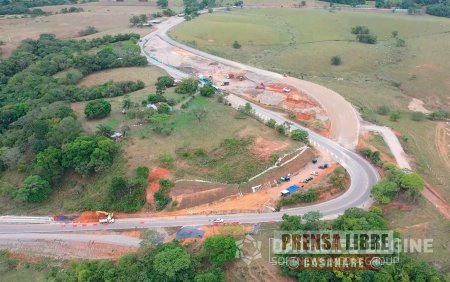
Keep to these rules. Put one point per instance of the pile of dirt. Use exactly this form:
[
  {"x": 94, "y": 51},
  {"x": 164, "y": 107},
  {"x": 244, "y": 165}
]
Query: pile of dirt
[
  {"x": 86, "y": 217},
  {"x": 299, "y": 100},
  {"x": 158, "y": 173},
  {"x": 303, "y": 116}
]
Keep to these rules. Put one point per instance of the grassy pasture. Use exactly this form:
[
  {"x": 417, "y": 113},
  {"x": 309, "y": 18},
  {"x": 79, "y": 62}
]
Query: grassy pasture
[{"x": 302, "y": 41}]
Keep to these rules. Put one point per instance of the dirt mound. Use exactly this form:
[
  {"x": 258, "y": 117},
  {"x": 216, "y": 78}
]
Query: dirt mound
[
  {"x": 87, "y": 216},
  {"x": 263, "y": 148},
  {"x": 157, "y": 173},
  {"x": 299, "y": 100},
  {"x": 303, "y": 116}
]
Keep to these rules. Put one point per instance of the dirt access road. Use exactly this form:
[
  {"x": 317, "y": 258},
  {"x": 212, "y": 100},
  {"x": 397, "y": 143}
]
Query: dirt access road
[{"x": 172, "y": 56}]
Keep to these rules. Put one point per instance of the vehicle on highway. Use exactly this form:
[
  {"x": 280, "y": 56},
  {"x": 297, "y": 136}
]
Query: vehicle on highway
[
  {"x": 323, "y": 166},
  {"x": 218, "y": 220},
  {"x": 315, "y": 173}
]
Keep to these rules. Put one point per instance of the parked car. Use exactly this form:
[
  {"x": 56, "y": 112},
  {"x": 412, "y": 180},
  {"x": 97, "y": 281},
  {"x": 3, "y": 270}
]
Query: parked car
[
  {"x": 315, "y": 173},
  {"x": 323, "y": 166},
  {"x": 218, "y": 220},
  {"x": 308, "y": 179}
]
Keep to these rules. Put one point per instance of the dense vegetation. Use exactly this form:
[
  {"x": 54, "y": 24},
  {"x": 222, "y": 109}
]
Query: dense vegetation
[
  {"x": 440, "y": 10},
  {"x": 41, "y": 135},
  {"x": 356, "y": 219}
]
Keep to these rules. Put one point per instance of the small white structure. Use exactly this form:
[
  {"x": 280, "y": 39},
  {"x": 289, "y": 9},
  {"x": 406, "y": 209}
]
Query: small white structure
[
  {"x": 152, "y": 106},
  {"x": 117, "y": 135},
  {"x": 154, "y": 21}
]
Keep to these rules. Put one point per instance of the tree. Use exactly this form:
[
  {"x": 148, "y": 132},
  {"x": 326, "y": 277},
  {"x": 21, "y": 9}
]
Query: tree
[
  {"x": 220, "y": 249},
  {"x": 199, "y": 113},
  {"x": 165, "y": 81},
  {"x": 164, "y": 108},
  {"x": 412, "y": 183},
  {"x": 336, "y": 60},
  {"x": 439, "y": 115},
  {"x": 171, "y": 263},
  {"x": 394, "y": 34},
  {"x": 207, "y": 91},
  {"x": 271, "y": 123},
  {"x": 88, "y": 31},
  {"x": 65, "y": 131},
  {"x": 395, "y": 116},
  {"x": 355, "y": 219},
  {"x": 104, "y": 130},
  {"x": 291, "y": 223},
  {"x": 48, "y": 164},
  {"x": 97, "y": 109},
  {"x": 236, "y": 45},
  {"x": 384, "y": 191},
  {"x": 135, "y": 20},
  {"x": 187, "y": 86},
  {"x": 162, "y": 3},
  {"x": 281, "y": 129},
  {"x": 300, "y": 135},
  {"x": 89, "y": 153},
  {"x": 34, "y": 189}
]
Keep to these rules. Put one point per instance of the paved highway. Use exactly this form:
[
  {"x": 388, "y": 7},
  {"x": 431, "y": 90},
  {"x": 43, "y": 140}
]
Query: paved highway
[{"x": 363, "y": 176}]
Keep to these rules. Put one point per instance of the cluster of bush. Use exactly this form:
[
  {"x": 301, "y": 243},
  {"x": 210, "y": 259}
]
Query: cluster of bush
[
  {"x": 128, "y": 195},
  {"x": 307, "y": 196},
  {"x": 397, "y": 183},
  {"x": 71, "y": 10},
  {"x": 440, "y": 10},
  {"x": 363, "y": 35},
  {"x": 162, "y": 198},
  {"x": 355, "y": 219},
  {"x": 348, "y": 2}
]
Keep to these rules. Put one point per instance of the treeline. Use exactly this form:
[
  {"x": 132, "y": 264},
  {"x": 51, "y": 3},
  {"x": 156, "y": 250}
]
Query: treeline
[
  {"x": 348, "y": 2},
  {"x": 440, "y": 10},
  {"x": 58, "y": 51},
  {"x": 355, "y": 219},
  {"x": 10, "y": 7}
]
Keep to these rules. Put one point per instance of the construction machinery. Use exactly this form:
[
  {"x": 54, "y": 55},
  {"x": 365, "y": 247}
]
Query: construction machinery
[{"x": 108, "y": 217}]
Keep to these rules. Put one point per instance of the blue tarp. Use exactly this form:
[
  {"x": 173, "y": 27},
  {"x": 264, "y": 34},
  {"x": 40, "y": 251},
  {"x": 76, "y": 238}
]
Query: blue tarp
[{"x": 189, "y": 232}]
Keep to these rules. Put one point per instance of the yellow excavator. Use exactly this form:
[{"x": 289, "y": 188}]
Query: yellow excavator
[{"x": 109, "y": 217}]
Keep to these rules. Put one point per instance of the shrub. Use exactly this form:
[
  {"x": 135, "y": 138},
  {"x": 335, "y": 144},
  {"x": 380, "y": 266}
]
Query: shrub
[
  {"x": 207, "y": 91},
  {"x": 97, "y": 109},
  {"x": 165, "y": 81},
  {"x": 439, "y": 115},
  {"x": 236, "y": 45},
  {"x": 166, "y": 160},
  {"x": 300, "y": 135},
  {"x": 34, "y": 189},
  {"x": 271, "y": 123},
  {"x": 367, "y": 38},
  {"x": 360, "y": 30},
  {"x": 395, "y": 116},
  {"x": 383, "y": 110},
  {"x": 142, "y": 172},
  {"x": 417, "y": 116},
  {"x": 87, "y": 31},
  {"x": 336, "y": 60},
  {"x": 281, "y": 129},
  {"x": 187, "y": 86}
]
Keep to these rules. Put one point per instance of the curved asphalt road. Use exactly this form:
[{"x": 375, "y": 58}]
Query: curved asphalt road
[{"x": 363, "y": 176}]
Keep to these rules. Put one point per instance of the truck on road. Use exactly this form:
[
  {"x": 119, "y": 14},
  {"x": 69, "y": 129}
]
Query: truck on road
[{"x": 291, "y": 189}]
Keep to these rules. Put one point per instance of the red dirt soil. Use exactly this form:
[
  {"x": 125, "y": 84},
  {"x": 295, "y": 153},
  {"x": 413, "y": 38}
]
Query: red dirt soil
[
  {"x": 155, "y": 175},
  {"x": 87, "y": 216}
]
